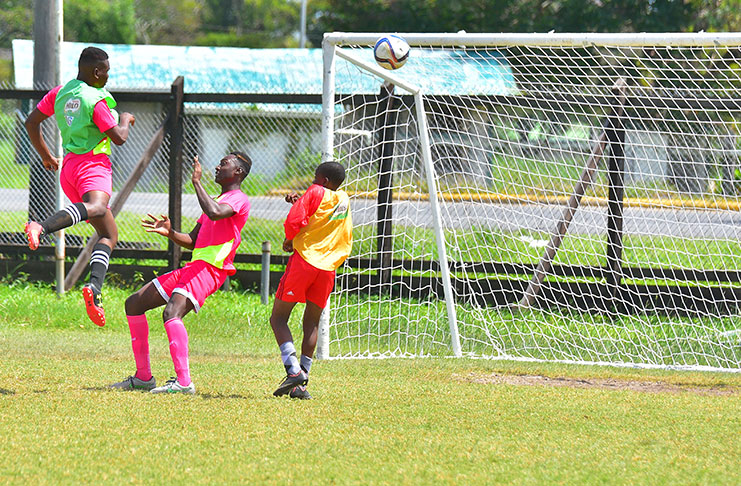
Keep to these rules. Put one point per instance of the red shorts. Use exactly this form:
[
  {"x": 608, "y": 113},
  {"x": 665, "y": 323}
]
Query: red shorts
[
  {"x": 84, "y": 173},
  {"x": 196, "y": 281},
  {"x": 303, "y": 282}
]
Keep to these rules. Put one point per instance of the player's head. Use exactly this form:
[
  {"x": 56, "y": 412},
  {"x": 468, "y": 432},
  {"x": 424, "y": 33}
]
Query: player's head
[
  {"x": 234, "y": 167},
  {"x": 93, "y": 67},
  {"x": 330, "y": 175}
]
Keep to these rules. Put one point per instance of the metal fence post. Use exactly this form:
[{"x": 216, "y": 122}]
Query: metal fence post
[
  {"x": 265, "y": 273},
  {"x": 175, "y": 252},
  {"x": 387, "y": 129},
  {"x": 616, "y": 193}
]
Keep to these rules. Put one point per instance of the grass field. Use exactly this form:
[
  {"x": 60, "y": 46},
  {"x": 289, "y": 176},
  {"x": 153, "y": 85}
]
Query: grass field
[{"x": 395, "y": 421}]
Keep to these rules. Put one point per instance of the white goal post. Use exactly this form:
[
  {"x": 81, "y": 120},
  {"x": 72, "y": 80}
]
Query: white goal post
[{"x": 554, "y": 197}]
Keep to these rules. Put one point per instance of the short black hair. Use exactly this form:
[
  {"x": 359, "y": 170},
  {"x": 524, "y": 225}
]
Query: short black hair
[
  {"x": 333, "y": 171},
  {"x": 244, "y": 161},
  {"x": 91, "y": 56}
]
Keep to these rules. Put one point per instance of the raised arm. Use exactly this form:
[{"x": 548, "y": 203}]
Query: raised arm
[
  {"x": 33, "y": 127},
  {"x": 120, "y": 133},
  {"x": 210, "y": 207},
  {"x": 163, "y": 226}
]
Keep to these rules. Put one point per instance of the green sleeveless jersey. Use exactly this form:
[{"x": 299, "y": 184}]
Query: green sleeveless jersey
[{"x": 73, "y": 109}]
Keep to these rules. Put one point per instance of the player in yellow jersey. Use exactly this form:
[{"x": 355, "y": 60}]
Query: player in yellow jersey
[{"x": 319, "y": 234}]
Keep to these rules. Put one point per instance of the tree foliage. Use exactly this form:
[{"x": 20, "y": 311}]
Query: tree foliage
[
  {"x": 105, "y": 21},
  {"x": 174, "y": 22},
  {"x": 250, "y": 23},
  {"x": 275, "y": 23},
  {"x": 479, "y": 16},
  {"x": 16, "y": 20}
]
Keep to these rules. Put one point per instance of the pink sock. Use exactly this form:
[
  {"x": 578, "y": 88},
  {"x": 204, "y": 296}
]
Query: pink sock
[
  {"x": 178, "y": 337},
  {"x": 140, "y": 344}
]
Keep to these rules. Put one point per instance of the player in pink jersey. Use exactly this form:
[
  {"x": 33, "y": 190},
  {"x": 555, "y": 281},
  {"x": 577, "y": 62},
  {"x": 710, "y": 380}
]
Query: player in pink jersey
[
  {"x": 319, "y": 235},
  {"x": 214, "y": 241},
  {"x": 83, "y": 111}
]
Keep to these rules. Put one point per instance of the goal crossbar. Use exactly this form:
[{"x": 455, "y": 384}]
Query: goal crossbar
[{"x": 679, "y": 39}]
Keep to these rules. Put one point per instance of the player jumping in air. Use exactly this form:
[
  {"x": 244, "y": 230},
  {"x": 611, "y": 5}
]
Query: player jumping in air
[
  {"x": 214, "y": 241},
  {"x": 83, "y": 110},
  {"x": 319, "y": 234}
]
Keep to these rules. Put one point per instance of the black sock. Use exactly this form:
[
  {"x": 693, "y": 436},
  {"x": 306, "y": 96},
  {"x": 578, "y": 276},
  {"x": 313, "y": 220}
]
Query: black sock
[
  {"x": 99, "y": 266},
  {"x": 65, "y": 218}
]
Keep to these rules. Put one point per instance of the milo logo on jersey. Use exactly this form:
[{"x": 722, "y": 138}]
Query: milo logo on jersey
[
  {"x": 72, "y": 105},
  {"x": 341, "y": 210}
]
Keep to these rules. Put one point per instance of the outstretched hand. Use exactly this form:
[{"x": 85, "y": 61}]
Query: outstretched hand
[
  {"x": 197, "y": 171},
  {"x": 159, "y": 225}
]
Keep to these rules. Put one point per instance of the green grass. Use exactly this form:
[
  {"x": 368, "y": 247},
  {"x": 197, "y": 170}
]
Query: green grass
[
  {"x": 477, "y": 244},
  {"x": 483, "y": 244},
  {"x": 425, "y": 421},
  {"x": 14, "y": 176},
  {"x": 403, "y": 327}
]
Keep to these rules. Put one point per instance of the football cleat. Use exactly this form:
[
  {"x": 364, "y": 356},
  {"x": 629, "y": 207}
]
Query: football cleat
[
  {"x": 290, "y": 382},
  {"x": 33, "y": 232},
  {"x": 134, "y": 383},
  {"x": 172, "y": 386},
  {"x": 93, "y": 306},
  {"x": 300, "y": 392}
]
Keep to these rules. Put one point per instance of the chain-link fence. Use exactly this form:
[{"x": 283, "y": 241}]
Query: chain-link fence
[{"x": 281, "y": 134}]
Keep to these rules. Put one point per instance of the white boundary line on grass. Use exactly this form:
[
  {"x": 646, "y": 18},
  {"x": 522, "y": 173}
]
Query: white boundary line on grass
[{"x": 546, "y": 361}]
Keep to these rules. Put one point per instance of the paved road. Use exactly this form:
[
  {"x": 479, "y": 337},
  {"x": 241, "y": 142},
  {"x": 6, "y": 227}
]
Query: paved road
[{"x": 679, "y": 223}]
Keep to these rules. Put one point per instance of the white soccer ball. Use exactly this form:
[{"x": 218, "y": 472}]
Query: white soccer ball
[{"x": 391, "y": 51}]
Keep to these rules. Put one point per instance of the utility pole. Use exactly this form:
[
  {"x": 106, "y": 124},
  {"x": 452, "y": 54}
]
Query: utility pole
[
  {"x": 42, "y": 195},
  {"x": 60, "y": 245},
  {"x": 302, "y": 40}
]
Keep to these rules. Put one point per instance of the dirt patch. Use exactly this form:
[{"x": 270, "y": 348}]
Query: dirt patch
[{"x": 600, "y": 383}]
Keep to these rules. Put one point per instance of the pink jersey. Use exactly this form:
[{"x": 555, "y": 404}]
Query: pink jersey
[
  {"x": 102, "y": 118},
  {"x": 218, "y": 241}
]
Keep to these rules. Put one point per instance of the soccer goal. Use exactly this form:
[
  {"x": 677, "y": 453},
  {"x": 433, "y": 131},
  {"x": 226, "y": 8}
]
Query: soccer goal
[{"x": 555, "y": 197}]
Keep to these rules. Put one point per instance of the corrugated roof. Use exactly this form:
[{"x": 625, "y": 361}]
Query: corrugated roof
[{"x": 274, "y": 71}]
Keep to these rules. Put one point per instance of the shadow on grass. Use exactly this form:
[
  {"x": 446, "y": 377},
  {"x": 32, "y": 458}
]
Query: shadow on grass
[
  {"x": 4, "y": 391},
  {"x": 220, "y": 396},
  {"x": 205, "y": 396}
]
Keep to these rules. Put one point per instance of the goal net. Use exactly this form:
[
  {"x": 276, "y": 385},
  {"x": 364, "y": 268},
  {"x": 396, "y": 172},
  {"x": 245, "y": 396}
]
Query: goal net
[{"x": 540, "y": 197}]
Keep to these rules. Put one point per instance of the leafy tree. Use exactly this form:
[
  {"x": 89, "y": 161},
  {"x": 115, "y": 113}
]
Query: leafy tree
[
  {"x": 475, "y": 16},
  {"x": 16, "y": 21},
  {"x": 718, "y": 15},
  {"x": 172, "y": 22},
  {"x": 250, "y": 23},
  {"x": 105, "y": 21}
]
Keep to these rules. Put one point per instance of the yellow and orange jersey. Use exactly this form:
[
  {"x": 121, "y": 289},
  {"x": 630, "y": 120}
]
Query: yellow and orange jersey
[{"x": 320, "y": 225}]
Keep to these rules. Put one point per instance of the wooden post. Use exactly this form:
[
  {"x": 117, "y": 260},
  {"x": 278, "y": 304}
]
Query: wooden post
[
  {"x": 82, "y": 259},
  {"x": 385, "y": 184},
  {"x": 175, "y": 128},
  {"x": 546, "y": 262}
]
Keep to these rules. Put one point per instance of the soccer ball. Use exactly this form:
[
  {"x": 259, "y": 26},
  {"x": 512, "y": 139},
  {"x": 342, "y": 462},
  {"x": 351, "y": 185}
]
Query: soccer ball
[{"x": 391, "y": 52}]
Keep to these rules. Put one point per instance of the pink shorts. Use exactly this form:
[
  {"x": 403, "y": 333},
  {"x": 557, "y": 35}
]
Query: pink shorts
[
  {"x": 303, "y": 282},
  {"x": 84, "y": 173},
  {"x": 196, "y": 281}
]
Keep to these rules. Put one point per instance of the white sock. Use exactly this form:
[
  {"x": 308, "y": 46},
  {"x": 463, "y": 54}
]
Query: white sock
[
  {"x": 305, "y": 363},
  {"x": 288, "y": 355}
]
